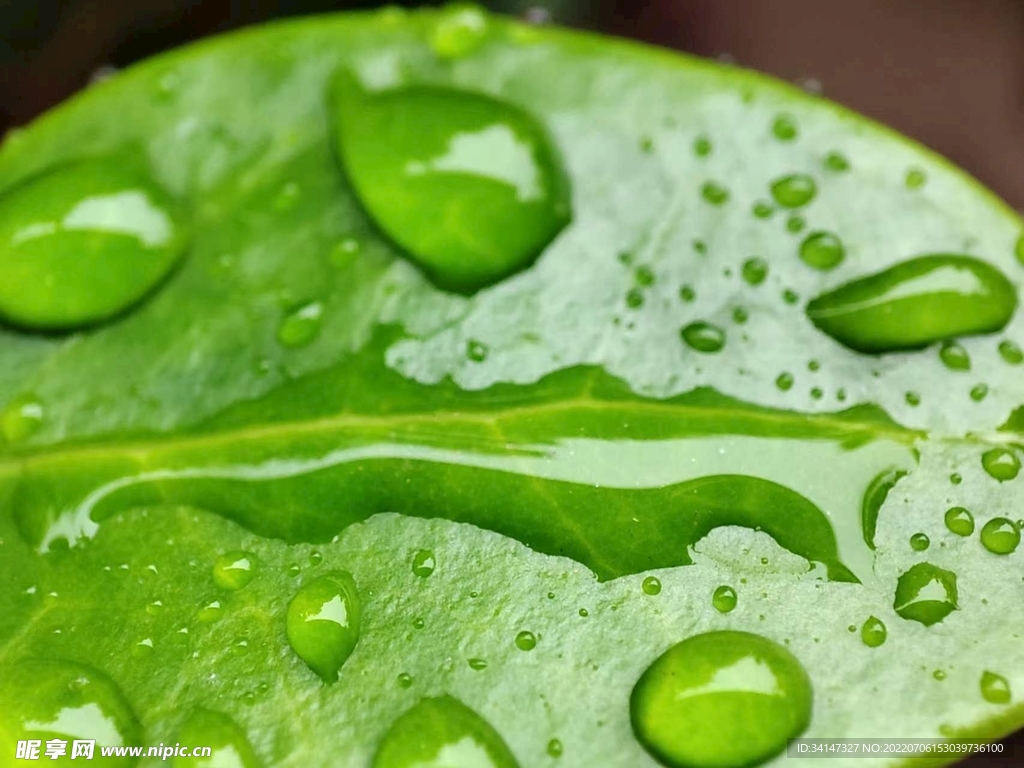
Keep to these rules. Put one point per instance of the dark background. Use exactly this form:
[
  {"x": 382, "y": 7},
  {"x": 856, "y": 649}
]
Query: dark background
[{"x": 949, "y": 73}]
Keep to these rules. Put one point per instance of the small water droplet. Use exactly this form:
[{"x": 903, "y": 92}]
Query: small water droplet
[
  {"x": 287, "y": 198},
  {"x": 822, "y": 250},
  {"x": 919, "y": 542},
  {"x": 762, "y": 210},
  {"x": 955, "y": 478},
  {"x": 926, "y": 594},
  {"x": 939, "y": 675},
  {"x": 702, "y": 146},
  {"x": 315, "y": 558},
  {"x": 323, "y": 623},
  {"x": 724, "y": 599},
  {"x": 460, "y": 30},
  {"x": 703, "y": 337},
  {"x": 790, "y": 296},
  {"x": 873, "y": 632},
  {"x": 651, "y": 586},
  {"x": 979, "y": 392},
  {"x": 915, "y": 303},
  {"x": 584, "y": 612},
  {"x": 1010, "y": 352},
  {"x": 755, "y": 270},
  {"x": 836, "y": 161},
  {"x": 210, "y": 612},
  {"x": 442, "y": 732},
  {"x": 695, "y": 704},
  {"x": 634, "y": 298},
  {"x": 784, "y": 128},
  {"x": 995, "y": 689},
  {"x": 954, "y": 356},
  {"x": 714, "y": 193},
  {"x": 526, "y": 641},
  {"x": 913, "y": 399},
  {"x": 233, "y": 570},
  {"x": 959, "y": 521},
  {"x": 1000, "y": 536},
  {"x": 795, "y": 223},
  {"x": 423, "y": 563},
  {"x": 418, "y": 623},
  {"x": 477, "y": 665},
  {"x": 345, "y": 252},
  {"x": 302, "y": 325},
  {"x": 554, "y": 748},
  {"x": 687, "y": 294},
  {"x": 1001, "y": 464},
  {"x": 794, "y": 191},
  {"x": 405, "y": 680},
  {"x": 155, "y": 608},
  {"x": 476, "y": 351},
  {"x": 915, "y": 178},
  {"x": 784, "y": 381},
  {"x": 740, "y": 315},
  {"x": 644, "y": 275},
  {"x": 21, "y": 418}
]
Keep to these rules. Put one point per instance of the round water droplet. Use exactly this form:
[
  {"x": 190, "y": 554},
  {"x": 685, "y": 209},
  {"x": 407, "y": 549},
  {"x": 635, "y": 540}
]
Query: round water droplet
[
  {"x": 702, "y": 146},
  {"x": 784, "y": 381},
  {"x": 721, "y": 699},
  {"x": 926, "y": 593},
  {"x": 703, "y": 337},
  {"x": 959, "y": 521},
  {"x": 233, "y": 570},
  {"x": 913, "y": 399},
  {"x": 714, "y": 193},
  {"x": 755, "y": 270},
  {"x": 302, "y": 325},
  {"x": 461, "y": 29},
  {"x": 323, "y": 623},
  {"x": 1001, "y": 464},
  {"x": 84, "y": 242},
  {"x": 470, "y": 187},
  {"x": 790, "y": 296},
  {"x": 919, "y": 542},
  {"x": 439, "y": 732},
  {"x": 794, "y": 191},
  {"x": 822, "y": 250},
  {"x": 651, "y": 586},
  {"x": 836, "y": 161},
  {"x": 762, "y": 210},
  {"x": 60, "y": 700},
  {"x": 954, "y": 357},
  {"x": 526, "y": 641},
  {"x": 955, "y": 478},
  {"x": 418, "y": 623},
  {"x": 979, "y": 392},
  {"x": 784, "y": 128},
  {"x": 1010, "y": 352},
  {"x": 795, "y": 223},
  {"x": 687, "y": 294},
  {"x": 740, "y": 315},
  {"x": 915, "y": 303},
  {"x": 873, "y": 632},
  {"x": 1000, "y": 536},
  {"x": 555, "y": 748},
  {"x": 423, "y": 563},
  {"x": 634, "y": 298},
  {"x": 644, "y": 275},
  {"x": 229, "y": 744},
  {"x": 405, "y": 680},
  {"x": 21, "y": 418},
  {"x": 995, "y": 689},
  {"x": 724, "y": 599},
  {"x": 939, "y": 675}
]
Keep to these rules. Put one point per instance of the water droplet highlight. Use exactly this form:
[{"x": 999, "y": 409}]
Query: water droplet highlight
[
  {"x": 873, "y": 632},
  {"x": 233, "y": 570},
  {"x": 1000, "y": 536},
  {"x": 703, "y": 337},
  {"x": 720, "y": 699},
  {"x": 926, "y": 594},
  {"x": 471, "y": 188},
  {"x": 915, "y": 303},
  {"x": 822, "y": 250},
  {"x": 323, "y": 623},
  {"x": 794, "y": 191}
]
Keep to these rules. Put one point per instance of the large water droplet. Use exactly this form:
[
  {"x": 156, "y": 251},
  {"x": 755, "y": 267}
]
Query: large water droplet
[
  {"x": 233, "y": 570},
  {"x": 954, "y": 356},
  {"x": 822, "y": 250},
  {"x": 959, "y": 521},
  {"x": 915, "y": 303},
  {"x": 324, "y": 621},
  {"x": 21, "y": 418},
  {"x": 84, "y": 242},
  {"x": 469, "y": 186},
  {"x": 724, "y": 599},
  {"x": 926, "y": 593},
  {"x": 461, "y": 29},
  {"x": 721, "y": 699},
  {"x": 230, "y": 747},
  {"x": 60, "y": 700},
  {"x": 1001, "y": 464},
  {"x": 442, "y": 732},
  {"x": 1000, "y": 536},
  {"x": 873, "y": 632},
  {"x": 794, "y": 191},
  {"x": 995, "y": 689},
  {"x": 703, "y": 337}
]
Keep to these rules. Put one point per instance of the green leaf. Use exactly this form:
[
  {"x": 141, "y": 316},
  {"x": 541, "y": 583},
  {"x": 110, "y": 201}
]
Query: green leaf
[{"x": 301, "y": 493}]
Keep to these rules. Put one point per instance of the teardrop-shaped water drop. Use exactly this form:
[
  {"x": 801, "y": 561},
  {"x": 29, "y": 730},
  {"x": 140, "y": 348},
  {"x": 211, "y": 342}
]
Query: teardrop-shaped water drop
[
  {"x": 915, "y": 303},
  {"x": 703, "y": 337},
  {"x": 229, "y": 745},
  {"x": 83, "y": 242},
  {"x": 995, "y": 688},
  {"x": 1001, "y": 464},
  {"x": 1000, "y": 536},
  {"x": 873, "y": 632},
  {"x": 954, "y": 356},
  {"x": 21, "y": 418},
  {"x": 440, "y": 732},
  {"x": 822, "y": 250},
  {"x": 959, "y": 521},
  {"x": 62, "y": 700},
  {"x": 233, "y": 570},
  {"x": 470, "y": 187},
  {"x": 720, "y": 699},
  {"x": 794, "y": 191},
  {"x": 926, "y": 593},
  {"x": 323, "y": 623},
  {"x": 724, "y": 599},
  {"x": 461, "y": 28}
]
